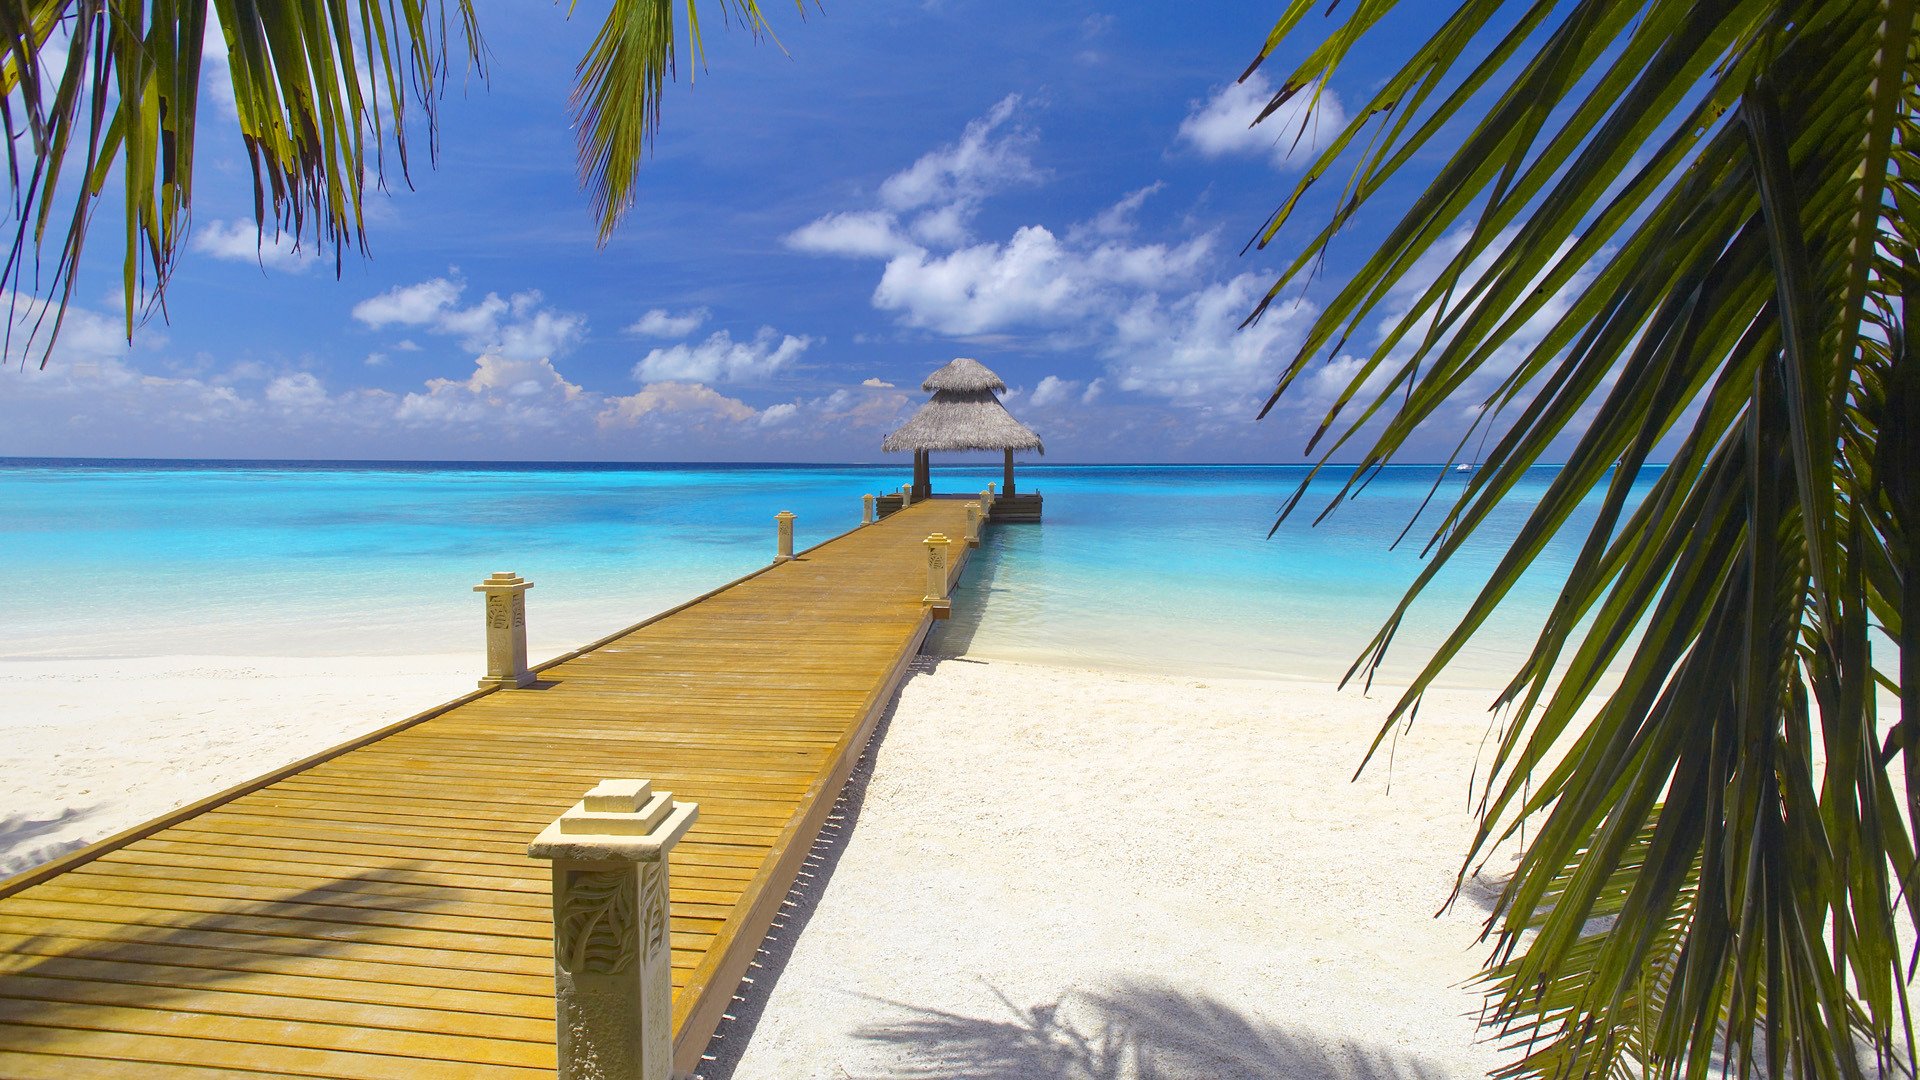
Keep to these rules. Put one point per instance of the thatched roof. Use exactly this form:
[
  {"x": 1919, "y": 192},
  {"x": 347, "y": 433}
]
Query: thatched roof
[
  {"x": 964, "y": 375},
  {"x": 963, "y": 415}
]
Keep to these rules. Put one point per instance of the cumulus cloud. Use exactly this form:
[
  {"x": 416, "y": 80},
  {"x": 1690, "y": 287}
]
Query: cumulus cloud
[
  {"x": 721, "y": 359},
  {"x": 1191, "y": 350},
  {"x": 674, "y": 397},
  {"x": 519, "y": 326},
  {"x": 987, "y": 158},
  {"x": 932, "y": 201},
  {"x": 525, "y": 393},
  {"x": 1054, "y": 390},
  {"x": 864, "y": 234},
  {"x": 661, "y": 323},
  {"x": 877, "y": 383},
  {"x": 239, "y": 241},
  {"x": 1032, "y": 279},
  {"x": 409, "y": 305},
  {"x": 1224, "y": 125}
]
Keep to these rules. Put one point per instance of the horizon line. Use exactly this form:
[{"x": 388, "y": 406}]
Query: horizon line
[{"x": 6, "y": 459}]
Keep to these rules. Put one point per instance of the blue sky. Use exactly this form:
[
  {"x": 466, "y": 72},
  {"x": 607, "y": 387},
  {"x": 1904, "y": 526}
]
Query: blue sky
[{"x": 1061, "y": 191}]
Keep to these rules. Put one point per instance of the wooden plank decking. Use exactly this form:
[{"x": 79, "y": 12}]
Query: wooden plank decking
[{"x": 372, "y": 912}]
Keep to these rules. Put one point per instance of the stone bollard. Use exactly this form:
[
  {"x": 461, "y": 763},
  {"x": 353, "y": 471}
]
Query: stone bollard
[
  {"x": 990, "y": 490},
  {"x": 906, "y": 496},
  {"x": 936, "y": 598},
  {"x": 506, "y": 596},
  {"x": 785, "y": 519},
  {"x": 973, "y": 524},
  {"x": 986, "y": 500},
  {"x": 612, "y": 957},
  {"x": 866, "y": 509}
]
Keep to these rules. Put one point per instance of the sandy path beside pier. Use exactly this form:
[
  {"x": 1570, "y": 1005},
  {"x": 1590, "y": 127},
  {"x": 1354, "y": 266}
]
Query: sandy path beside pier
[
  {"x": 1061, "y": 874},
  {"x": 94, "y": 746}
]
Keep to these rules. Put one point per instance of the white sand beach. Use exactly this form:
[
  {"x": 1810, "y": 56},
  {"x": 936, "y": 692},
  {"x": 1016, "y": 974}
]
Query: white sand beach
[
  {"x": 1040, "y": 872},
  {"x": 95, "y": 746},
  {"x": 1055, "y": 874}
]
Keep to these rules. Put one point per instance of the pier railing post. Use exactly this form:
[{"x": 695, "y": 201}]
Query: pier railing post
[
  {"x": 906, "y": 496},
  {"x": 506, "y": 599},
  {"x": 986, "y": 500},
  {"x": 936, "y": 598},
  {"x": 866, "y": 509},
  {"x": 973, "y": 524},
  {"x": 785, "y": 520},
  {"x": 612, "y": 958}
]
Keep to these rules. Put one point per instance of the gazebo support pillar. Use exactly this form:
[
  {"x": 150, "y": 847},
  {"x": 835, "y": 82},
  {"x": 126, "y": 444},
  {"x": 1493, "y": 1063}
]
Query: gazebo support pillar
[
  {"x": 922, "y": 475},
  {"x": 1006, "y": 482}
]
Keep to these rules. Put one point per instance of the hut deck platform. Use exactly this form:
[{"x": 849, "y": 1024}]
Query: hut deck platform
[{"x": 371, "y": 912}]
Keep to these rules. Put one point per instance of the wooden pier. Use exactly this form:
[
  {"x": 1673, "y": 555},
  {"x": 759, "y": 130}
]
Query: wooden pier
[{"x": 371, "y": 912}]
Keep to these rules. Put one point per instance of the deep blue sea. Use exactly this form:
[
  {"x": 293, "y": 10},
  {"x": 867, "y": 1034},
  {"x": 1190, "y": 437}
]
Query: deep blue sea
[{"x": 1153, "y": 568}]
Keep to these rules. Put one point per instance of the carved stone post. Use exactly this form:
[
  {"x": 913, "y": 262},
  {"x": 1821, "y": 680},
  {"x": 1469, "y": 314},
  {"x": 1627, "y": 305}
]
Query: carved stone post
[
  {"x": 986, "y": 500},
  {"x": 973, "y": 524},
  {"x": 906, "y": 496},
  {"x": 506, "y": 596},
  {"x": 785, "y": 518},
  {"x": 866, "y": 509},
  {"x": 936, "y": 598},
  {"x": 612, "y": 958}
]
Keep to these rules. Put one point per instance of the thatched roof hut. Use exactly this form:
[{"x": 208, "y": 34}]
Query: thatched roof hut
[{"x": 965, "y": 414}]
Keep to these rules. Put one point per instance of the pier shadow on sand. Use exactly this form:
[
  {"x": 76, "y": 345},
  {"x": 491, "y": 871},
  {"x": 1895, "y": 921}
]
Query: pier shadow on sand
[{"x": 737, "y": 1025}]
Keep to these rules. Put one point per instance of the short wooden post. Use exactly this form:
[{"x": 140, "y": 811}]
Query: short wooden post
[
  {"x": 866, "y": 509},
  {"x": 973, "y": 524},
  {"x": 906, "y": 496},
  {"x": 785, "y": 520},
  {"x": 612, "y": 958},
  {"x": 506, "y": 599},
  {"x": 936, "y": 598}
]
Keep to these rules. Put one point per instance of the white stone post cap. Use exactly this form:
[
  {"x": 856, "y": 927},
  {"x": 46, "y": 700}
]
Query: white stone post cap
[
  {"x": 784, "y": 515},
  {"x": 619, "y": 820},
  {"x": 938, "y": 538},
  {"x": 507, "y": 581}
]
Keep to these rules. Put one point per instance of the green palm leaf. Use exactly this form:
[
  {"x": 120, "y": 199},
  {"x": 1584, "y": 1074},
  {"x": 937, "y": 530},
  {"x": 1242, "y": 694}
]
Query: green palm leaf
[
  {"x": 1719, "y": 194},
  {"x": 94, "y": 91}
]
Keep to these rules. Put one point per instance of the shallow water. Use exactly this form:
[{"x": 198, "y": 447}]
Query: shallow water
[{"x": 1157, "y": 568}]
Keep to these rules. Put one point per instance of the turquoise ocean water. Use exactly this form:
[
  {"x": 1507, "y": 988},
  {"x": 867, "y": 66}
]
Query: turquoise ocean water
[{"x": 1153, "y": 568}]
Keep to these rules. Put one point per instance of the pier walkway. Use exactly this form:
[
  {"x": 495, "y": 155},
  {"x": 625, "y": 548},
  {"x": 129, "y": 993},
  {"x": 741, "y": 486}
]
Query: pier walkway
[{"x": 371, "y": 912}]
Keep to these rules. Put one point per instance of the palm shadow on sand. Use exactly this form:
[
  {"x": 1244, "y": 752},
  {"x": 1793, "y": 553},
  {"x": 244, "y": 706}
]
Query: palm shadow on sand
[{"x": 1136, "y": 1031}]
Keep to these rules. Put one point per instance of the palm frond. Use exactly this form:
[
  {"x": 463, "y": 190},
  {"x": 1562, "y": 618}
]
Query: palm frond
[{"x": 1716, "y": 195}]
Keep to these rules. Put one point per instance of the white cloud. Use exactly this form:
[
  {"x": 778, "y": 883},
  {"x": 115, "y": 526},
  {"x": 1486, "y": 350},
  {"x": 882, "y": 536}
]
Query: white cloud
[
  {"x": 721, "y": 359},
  {"x": 1052, "y": 390},
  {"x": 1032, "y": 279},
  {"x": 877, "y": 383},
  {"x": 661, "y": 323},
  {"x": 409, "y": 305},
  {"x": 518, "y": 327},
  {"x": 983, "y": 161},
  {"x": 673, "y": 397},
  {"x": 1191, "y": 350},
  {"x": 1290, "y": 136},
  {"x": 864, "y": 234},
  {"x": 239, "y": 241},
  {"x": 1117, "y": 220},
  {"x": 939, "y": 193},
  {"x": 511, "y": 393},
  {"x": 298, "y": 392}
]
